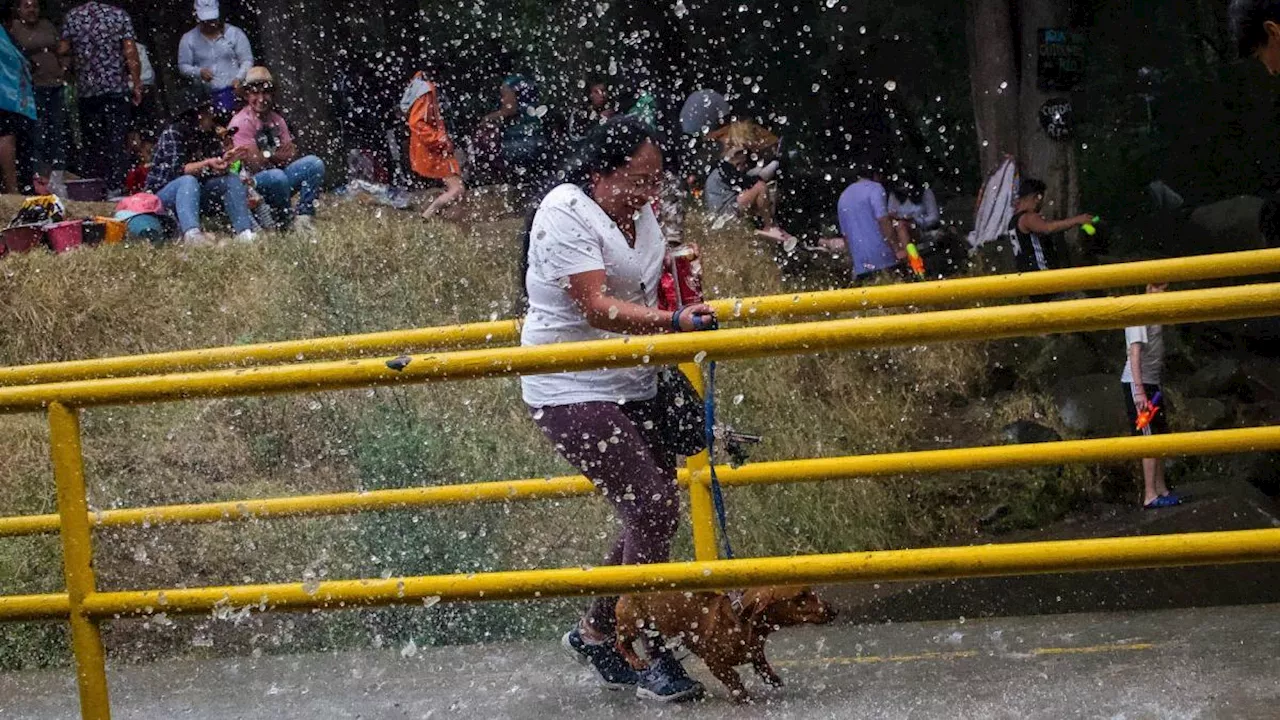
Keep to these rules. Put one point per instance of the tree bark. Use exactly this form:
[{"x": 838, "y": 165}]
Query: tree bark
[
  {"x": 1039, "y": 155},
  {"x": 993, "y": 78},
  {"x": 296, "y": 40}
]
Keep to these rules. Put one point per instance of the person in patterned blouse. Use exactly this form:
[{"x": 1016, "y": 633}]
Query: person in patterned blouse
[{"x": 108, "y": 74}]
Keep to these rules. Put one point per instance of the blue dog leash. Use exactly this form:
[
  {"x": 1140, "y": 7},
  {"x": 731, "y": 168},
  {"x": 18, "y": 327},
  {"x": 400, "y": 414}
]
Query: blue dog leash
[{"x": 717, "y": 495}]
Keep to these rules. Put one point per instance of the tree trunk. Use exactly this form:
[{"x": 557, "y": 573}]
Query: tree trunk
[
  {"x": 1039, "y": 156},
  {"x": 1003, "y": 48},
  {"x": 993, "y": 77}
]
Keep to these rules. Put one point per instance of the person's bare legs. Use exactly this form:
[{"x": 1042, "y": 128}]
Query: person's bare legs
[
  {"x": 453, "y": 192},
  {"x": 1153, "y": 479},
  {"x": 9, "y": 164},
  {"x": 755, "y": 201}
]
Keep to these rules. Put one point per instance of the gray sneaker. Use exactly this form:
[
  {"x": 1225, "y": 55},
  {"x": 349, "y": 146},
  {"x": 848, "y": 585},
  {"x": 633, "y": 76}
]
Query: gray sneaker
[{"x": 666, "y": 681}]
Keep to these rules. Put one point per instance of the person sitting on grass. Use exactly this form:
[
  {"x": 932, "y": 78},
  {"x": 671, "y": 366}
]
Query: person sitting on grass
[
  {"x": 1031, "y": 234},
  {"x": 189, "y": 170},
  {"x": 272, "y": 156},
  {"x": 742, "y": 185},
  {"x": 1141, "y": 382}
]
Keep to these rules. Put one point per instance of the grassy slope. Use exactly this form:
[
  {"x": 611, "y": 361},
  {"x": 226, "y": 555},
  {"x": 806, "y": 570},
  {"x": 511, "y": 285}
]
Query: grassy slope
[{"x": 368, "y": 271}]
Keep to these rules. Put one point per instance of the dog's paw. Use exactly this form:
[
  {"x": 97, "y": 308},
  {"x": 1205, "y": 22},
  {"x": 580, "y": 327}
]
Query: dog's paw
[{"x": 742, "y": 697}]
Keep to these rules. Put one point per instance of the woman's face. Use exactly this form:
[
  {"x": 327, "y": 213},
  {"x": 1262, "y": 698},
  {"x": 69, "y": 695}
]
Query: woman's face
[
  {"x": 29, "y": 11},
  {"x": 633, "y": 185},
  {"x": 508, "y": 95},
  {"x": 598, "y": 96}
]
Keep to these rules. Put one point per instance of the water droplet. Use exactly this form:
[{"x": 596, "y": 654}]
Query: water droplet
[
  {"x": 737, "y": 399},
  {"x": 310, "y": 583},
  {"x": 890, "y": 85}
]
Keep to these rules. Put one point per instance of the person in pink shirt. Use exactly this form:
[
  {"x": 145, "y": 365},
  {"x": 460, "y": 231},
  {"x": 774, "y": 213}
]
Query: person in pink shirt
[{"x": 273, "y": 157}]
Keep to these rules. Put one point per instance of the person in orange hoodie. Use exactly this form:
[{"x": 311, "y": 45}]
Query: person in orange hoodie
[{"x": 431, "y": 153}]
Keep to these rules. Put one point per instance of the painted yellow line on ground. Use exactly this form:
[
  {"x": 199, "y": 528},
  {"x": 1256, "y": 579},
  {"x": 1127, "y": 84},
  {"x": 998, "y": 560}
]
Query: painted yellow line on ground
[
  {"x": 873, "y": 659},
  {"x": 1092, "y": 649},
  {"x": 961, "y": 655}
]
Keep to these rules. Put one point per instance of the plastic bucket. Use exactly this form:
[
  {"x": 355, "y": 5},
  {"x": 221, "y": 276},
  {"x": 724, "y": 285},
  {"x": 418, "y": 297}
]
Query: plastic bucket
[
  {"x": 147, "y": 227},
  {"x": 87, "y": 190},
  {"x": 93, "y": 232},
  {"x": 23, "y": 237},
  {"x": 64, "y": 236},
  {"x": 113, "y": 230}
]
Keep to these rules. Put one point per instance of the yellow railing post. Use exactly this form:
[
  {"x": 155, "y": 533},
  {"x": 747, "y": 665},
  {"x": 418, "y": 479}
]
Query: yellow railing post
[
  {"x": 701, "y": 508},
  {"x": 77, "y": 560}
]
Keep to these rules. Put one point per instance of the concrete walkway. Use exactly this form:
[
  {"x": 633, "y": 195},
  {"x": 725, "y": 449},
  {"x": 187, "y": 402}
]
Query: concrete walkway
[{"x": 1210, "y": 663}]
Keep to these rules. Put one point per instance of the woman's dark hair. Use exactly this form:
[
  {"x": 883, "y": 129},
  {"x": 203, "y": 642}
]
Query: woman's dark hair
[
  {"x": 1029, "y": 187},
  {"x": 607, "y": 148},
  {"x": 1247, "y": 23}
]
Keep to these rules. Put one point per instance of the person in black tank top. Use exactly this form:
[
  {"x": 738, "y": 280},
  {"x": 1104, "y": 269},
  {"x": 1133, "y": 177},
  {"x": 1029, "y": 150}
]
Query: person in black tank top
[{"x": 1029, "y": 230}]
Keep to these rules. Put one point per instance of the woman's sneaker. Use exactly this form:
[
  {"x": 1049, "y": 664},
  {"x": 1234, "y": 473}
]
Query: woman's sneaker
[
  {"x": 666, "y": 681},
  {"x": 604, "y": 657}
]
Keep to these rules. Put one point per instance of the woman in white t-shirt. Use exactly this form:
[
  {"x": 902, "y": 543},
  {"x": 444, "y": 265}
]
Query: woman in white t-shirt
[{"x": 594, "y": 254}]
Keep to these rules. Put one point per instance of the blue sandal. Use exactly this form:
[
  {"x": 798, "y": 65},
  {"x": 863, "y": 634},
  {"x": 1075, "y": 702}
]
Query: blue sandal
[{"x": 1164, "y": 501}]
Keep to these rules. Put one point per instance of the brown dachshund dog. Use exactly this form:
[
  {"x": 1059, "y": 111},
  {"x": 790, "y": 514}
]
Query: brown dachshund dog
[{"x": 722, "y": 633}]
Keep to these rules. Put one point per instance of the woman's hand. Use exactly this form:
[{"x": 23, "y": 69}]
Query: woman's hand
[{"x": 693, "y": 318}]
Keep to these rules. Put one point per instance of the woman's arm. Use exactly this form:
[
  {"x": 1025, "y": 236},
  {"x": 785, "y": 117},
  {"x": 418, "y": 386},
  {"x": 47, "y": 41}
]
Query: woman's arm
[{"x": 587, "y": 290}]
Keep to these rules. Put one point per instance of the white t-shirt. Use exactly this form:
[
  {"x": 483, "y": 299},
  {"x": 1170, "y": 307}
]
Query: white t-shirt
[
  {"x": 925, "y": 215},
  {"x": 571, "y": 234},
  {"x": 1152, "y": 339}
]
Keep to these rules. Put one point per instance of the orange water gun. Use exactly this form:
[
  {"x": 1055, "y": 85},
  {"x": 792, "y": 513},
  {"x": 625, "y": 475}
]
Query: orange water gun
[
  {"x": 1146, "y": 416},
  {"x": 915, "y": 261}
]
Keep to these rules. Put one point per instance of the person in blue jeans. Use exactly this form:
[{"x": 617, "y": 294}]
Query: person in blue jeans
[
  {"x": 270, "y": 153},
  {"x": 190, "y": 172}
]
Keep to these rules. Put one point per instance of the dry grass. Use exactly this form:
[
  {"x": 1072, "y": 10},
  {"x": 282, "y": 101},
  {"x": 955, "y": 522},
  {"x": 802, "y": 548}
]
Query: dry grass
[{"x": 371, "y": 270}]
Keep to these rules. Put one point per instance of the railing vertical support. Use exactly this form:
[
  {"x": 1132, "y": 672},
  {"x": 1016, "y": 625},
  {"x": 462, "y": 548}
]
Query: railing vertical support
[
  {"x": 701, "y": 508},
  {"x": 77, "y": 559}
]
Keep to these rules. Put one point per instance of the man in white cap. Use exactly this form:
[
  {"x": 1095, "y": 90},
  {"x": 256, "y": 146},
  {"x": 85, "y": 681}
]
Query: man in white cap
[
  {"x": 280, "y": 170},
  {"x": 215, "y": 53}
]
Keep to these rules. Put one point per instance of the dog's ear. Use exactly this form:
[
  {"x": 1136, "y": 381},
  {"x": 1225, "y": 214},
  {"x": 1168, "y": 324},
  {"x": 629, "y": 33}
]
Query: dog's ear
[{"x": 757, "y": 601}]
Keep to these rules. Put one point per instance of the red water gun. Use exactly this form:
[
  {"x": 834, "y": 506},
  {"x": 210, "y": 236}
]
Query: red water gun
[
  {"x": 1146, "y": 416},
  {"x": 915, "y": 261}
]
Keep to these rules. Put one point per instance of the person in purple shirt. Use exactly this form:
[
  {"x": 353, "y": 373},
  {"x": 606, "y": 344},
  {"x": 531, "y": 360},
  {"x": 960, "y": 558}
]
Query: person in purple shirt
[{"x": 866, "y": 225}]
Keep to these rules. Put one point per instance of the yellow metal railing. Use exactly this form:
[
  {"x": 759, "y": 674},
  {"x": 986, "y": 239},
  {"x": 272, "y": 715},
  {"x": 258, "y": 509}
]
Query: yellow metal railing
[
  {"x": 85, "y": 607},
  {"x": 785, "y": 306}
]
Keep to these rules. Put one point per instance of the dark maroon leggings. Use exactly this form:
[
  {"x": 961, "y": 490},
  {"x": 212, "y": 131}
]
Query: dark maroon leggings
[{"x": 619, "y": 448}]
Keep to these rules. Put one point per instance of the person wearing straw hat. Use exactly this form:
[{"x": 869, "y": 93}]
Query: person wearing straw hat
[
  {"x": 215, "y": 53},
  {"x": 742, "y": 185},
  {"x": 271, "y": 154}
]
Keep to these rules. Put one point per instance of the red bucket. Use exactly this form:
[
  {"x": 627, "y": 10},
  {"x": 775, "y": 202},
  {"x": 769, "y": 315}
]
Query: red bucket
[
  {"x": 23, "y": 237},
  {"x": 64, "y": 236}
]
